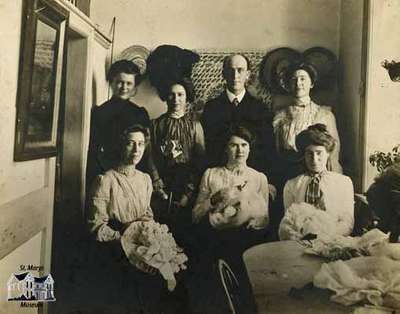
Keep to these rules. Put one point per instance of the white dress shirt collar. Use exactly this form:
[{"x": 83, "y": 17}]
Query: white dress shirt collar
[{"x": 231, "y": 96}]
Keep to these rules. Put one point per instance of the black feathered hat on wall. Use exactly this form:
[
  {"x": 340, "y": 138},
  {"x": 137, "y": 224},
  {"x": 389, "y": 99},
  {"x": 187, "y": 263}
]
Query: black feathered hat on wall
[{"x": 167, "y": 64}]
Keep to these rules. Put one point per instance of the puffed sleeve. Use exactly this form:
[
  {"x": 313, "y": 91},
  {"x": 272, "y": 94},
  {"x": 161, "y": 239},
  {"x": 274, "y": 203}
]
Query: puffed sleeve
[
  {"x": 277, "y": 124},
  {"x": 288, "y": 194},
  {"x": 332, "y": 129},
  {"x": 200, "y": 146},
  {"x": 149, "y": 190},
  {"x": 98, "y": 214},
  {"x": 264, "y": 189},
  {"x": 198, "y": 162},
  {"x": 202, "y": 205},
  {"x": 150, "y": 158},
  {"x": 345, "y": 210}
]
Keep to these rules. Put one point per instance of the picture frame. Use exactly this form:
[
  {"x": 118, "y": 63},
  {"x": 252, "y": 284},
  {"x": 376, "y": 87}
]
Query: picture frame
[{"x": 41, "y": 79}]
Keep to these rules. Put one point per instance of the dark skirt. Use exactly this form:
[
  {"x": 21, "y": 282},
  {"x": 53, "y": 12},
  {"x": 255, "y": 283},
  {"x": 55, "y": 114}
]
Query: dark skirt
[
  {"x": 123, "y": 287},
  {"x": 205, "y": 289}
]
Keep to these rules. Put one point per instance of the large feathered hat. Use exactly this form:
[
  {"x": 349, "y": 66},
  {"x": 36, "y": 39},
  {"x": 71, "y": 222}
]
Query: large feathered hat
[{"x": 168, "y": 63}]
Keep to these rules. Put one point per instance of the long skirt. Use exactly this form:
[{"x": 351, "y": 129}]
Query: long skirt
[
  {"x": 123, "y": 288},
  {"x": 205, "y": 289}
]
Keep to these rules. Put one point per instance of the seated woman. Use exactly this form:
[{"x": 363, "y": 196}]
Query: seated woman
[
  {"x": 289, "y": 122},
  {"x": 118, "y": 198},
  {"x": 230, "y": 214},
  {"x": 178, "y": 150},
  {"x": 234, "y": 185},
  {"x": 318, "y": 201}
]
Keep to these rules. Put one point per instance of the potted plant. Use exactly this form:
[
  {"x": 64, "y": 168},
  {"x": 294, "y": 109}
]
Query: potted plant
[
  {"x": 393, "y": 69},
  {"x": 382, "y": 160}
]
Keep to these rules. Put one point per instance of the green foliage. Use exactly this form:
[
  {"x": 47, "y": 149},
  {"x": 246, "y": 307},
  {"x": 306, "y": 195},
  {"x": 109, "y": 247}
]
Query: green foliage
[{"x": 382, "y": 160}]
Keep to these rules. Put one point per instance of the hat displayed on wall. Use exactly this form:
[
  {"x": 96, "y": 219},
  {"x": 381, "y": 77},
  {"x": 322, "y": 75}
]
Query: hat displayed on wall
[
  {"x": 274, "y": 65},
  {"x": 324, "y": 61},
  {"x": 138, "y": 55},
  {"x": 276, "y": 62}
]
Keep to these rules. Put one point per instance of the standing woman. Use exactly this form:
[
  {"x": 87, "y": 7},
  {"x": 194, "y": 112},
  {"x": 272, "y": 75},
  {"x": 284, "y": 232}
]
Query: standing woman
[
  {"x": 111, "y": 118},
  {"x": 289, "y": 122},
  {"x": 178, "y": 149}
]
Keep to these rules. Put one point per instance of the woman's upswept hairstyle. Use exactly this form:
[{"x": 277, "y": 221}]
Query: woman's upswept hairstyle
[
  {"x": 309, "y": 68},
  {"x": 124, "y": 66},
  {"x": 185, "y": 82},
  {"x": 133, "y": 129},
  {"x": 242, "y": 132},
  {"x": 316, "y": 134}
]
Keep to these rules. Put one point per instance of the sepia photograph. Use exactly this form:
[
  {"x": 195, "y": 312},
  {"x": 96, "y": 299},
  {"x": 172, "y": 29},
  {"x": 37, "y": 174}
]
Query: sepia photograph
[{"x": 200, "y": 157}]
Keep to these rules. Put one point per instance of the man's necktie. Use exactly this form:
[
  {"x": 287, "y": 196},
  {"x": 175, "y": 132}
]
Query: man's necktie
[
  {"x": 235, "y": 102},
  {"x": 314, "y": 195}
]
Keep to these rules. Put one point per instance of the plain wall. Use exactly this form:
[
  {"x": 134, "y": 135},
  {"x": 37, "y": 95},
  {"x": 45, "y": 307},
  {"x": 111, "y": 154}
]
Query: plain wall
[
  {"x": 223, "y": 25},
  {"x": 100, "y": 88}
]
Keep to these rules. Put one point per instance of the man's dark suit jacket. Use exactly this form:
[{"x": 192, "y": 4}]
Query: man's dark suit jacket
[
  {"x": 220, "y": 115},
  {"x": 108, "y": 121}
]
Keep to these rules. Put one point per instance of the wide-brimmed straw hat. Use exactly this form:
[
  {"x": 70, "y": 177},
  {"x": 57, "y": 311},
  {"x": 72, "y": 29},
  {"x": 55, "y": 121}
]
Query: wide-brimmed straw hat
[
  {"x": 136, "y": 54},
  {"x": 273, "y": 68}
]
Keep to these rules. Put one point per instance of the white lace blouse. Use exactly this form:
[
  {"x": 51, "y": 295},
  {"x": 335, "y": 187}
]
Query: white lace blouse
[
  {"x": 289, "y": 122},
  {"x": 122, "y": 195},
  {"x": 215, "y": 179}
]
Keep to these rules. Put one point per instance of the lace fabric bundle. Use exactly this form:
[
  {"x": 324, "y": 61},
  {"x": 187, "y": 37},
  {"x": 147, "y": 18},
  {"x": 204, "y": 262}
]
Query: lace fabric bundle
[
  {"x": 151, "y": 243},
  {"x": 302, "y": 219},
  {"x": 236, "y": 206}
]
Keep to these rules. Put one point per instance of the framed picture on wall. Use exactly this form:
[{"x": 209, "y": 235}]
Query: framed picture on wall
[{"x": 40, "y": 81}]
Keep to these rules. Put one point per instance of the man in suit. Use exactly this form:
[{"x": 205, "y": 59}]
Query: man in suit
[{"x": 233, "y": 107}]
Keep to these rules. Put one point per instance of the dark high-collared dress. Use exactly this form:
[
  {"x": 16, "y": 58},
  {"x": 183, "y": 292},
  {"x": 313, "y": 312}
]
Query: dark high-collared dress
[{"x": 108, "y": 121}]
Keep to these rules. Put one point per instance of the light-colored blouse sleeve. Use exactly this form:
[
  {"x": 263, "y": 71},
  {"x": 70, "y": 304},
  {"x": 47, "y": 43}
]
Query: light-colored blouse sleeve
[
  {"x": 148, "y": 212},
  {"x": 98, "y": 214},
  {"x": 264, "y": 189},
  {"x": 289, "y": 194},
  {"x": 277, "y": 124},
  {"x": 345, "y": 208},
  {"x": 330, "y": 121},
  {"x": 200, "y": 146},
  {"x": 202, "y": 205}
]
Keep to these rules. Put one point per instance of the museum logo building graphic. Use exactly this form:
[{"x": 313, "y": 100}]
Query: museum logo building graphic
[{"x": 26, "y": 287}]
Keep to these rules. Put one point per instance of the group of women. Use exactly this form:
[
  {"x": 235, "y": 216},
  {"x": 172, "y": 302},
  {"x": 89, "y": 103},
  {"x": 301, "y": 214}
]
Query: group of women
[{"x": 180, "y": 191}]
